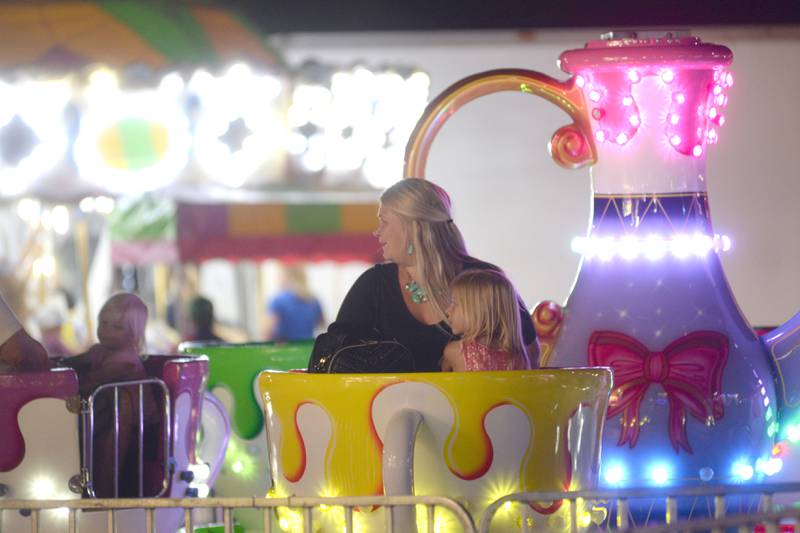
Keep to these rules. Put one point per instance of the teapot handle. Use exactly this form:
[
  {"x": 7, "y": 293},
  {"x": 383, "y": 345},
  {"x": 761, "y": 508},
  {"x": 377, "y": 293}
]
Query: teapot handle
[{"x": 571, "y": 146}]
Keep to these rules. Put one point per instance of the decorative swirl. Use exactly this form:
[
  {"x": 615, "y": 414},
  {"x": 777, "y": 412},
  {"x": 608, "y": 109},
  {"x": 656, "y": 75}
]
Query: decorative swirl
[
  {"x": 572, "y": 146},
  {"x": 547, "y": 319}
]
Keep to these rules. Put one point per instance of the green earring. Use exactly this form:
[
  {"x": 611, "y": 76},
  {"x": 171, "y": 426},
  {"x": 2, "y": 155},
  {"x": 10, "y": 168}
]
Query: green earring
[{"x": 410, "y": 249}]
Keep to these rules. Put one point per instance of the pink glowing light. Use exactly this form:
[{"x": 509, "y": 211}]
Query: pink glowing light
[
  {"x": 674, "y": 118},
  {"x": 598, "y": 113},
  {"x": 622, "y": 138},
  {"x": 675, "y": 140},
  {"x": 697, "y": 151},
  {"x": 712, "y": 135},
  {"x": 717, "y": 89},
  {"x": 600, "y": 135},
  {"x": 634, "y": 120},
  {"x": 712, "y": 113},
  {"x": 680, "y": 98},
  {"x": 594, "y": 95},
  {"x": 720, "y": 100},
  {"x": 729, "y": 79},
  {"x": 627, "y": 101},
  {"x": 667, "y": 75},
  {"x": 633, "y": 75},
  {"x": 580, "y": 81},
  {"x": 721, "y": 120}
]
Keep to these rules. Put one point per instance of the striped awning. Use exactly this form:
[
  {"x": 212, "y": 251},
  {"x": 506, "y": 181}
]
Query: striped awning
[{"x": 309, "y": 232}]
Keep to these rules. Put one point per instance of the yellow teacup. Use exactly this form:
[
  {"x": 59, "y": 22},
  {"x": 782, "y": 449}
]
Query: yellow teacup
[{"x": 472, "y": 436}]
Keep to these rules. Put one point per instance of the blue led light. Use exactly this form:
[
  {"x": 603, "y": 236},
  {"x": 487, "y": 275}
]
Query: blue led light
[
  {"x": 742, "y": 470},
  {"x": 615, "y": 474},
  {"x": 660, "y": 474}
]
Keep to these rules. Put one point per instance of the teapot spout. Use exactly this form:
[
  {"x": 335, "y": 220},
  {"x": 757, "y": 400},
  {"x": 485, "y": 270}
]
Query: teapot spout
[{"x": 783, "y": 346}]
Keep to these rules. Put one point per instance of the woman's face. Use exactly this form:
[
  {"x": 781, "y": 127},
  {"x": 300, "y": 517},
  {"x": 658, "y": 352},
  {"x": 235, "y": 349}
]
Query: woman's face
[
  {"x": 455, "y": 316},
  {"x": 392, "y": 236},
  {"x": 112, "y": 328}
]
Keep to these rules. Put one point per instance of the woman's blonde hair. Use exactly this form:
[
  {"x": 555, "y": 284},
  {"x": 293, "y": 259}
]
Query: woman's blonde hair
[
  {"x": 135, "y": 312},
  {"x": 438, "y": 250},
  {"x": 490, "y": 307}
]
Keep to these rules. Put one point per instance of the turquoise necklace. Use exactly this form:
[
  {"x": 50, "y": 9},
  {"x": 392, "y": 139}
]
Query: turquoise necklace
[{"x": 418, "y": 295}]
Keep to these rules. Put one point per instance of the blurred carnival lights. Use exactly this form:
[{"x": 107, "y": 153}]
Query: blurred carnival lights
[
  {"x": 240, "y": 126},
  {"x": 33, "y": 131},
  {"x": 135, "y": 133},
  {"x": 358, "y": 119},
  {"x": 131, "y": 141}
]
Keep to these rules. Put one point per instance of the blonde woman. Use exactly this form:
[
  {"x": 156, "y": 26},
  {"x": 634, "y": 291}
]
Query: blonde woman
[
  {"x": 405, "y": 299},
  {"x": 484, "y": 313}
]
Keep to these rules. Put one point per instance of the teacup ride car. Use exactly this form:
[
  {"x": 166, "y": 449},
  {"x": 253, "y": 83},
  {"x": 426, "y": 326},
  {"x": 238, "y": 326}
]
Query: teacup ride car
[
  {"x": 472, "y": 436},
  {"x": 232, "y": 383},
  {"x": 42, "y": 456}
]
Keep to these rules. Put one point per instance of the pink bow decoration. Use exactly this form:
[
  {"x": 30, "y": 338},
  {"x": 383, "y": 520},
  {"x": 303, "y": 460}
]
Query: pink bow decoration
[{"x": 689, "y": 370}]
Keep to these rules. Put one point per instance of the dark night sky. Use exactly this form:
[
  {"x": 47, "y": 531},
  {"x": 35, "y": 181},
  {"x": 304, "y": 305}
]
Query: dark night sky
[{"x": 286, "y": 16}]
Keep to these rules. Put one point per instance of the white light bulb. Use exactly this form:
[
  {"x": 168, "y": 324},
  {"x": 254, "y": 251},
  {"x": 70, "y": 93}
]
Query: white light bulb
[
  {"x": 629, "y": 247},
  {"x": 654, "y": 247}
]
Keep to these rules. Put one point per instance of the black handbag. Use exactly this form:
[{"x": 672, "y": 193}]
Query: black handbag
[{"x": 346, "y": 351}]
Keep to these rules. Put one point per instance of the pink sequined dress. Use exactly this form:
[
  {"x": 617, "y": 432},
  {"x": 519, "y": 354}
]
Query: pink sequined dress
[{"x": 478, "y": 356}]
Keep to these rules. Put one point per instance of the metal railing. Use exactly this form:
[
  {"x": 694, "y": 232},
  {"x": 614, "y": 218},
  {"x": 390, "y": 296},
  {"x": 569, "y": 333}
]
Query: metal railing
[
  {"x": 769, "y": 522},
  {"x": 227, "y": 505},
  {"x": 88, "y": 413},
  {"x": 621, "y": 499}
]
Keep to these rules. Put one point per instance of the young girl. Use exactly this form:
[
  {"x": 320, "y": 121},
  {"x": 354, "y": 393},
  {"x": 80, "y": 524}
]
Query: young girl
[
  {"x": 117, "y": 357},
  {"x": 485, "y": 313}
]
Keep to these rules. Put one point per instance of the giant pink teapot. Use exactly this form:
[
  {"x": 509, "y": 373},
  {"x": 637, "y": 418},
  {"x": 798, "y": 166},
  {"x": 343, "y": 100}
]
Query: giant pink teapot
[{"x": 698, "y": 396}]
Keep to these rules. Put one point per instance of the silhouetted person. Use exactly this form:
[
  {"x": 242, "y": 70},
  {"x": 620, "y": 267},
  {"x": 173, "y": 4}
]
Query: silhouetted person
[{"x": 201, "y": 311}]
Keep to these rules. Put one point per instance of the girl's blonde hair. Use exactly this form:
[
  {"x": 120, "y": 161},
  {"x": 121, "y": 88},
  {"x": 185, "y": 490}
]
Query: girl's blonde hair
[
  {"x": 135, "y": 312},
  {"x": 438, "y": 249},
  {"x": 490, "y": 307}
]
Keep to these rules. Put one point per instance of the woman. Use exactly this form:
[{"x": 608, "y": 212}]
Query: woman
[{"x": 405, "y": 298}]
